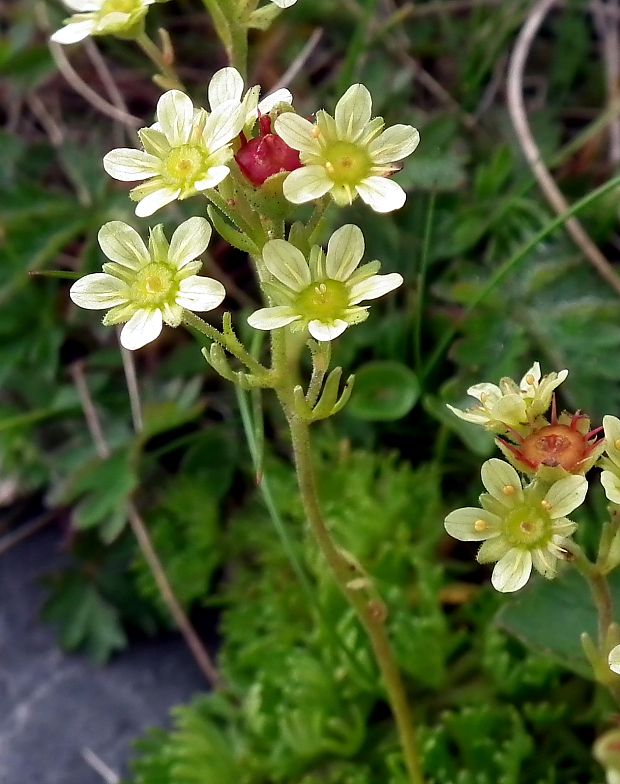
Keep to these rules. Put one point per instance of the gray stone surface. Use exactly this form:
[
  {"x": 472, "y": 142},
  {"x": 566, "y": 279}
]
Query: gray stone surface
[{"x": 57, "y": 709}]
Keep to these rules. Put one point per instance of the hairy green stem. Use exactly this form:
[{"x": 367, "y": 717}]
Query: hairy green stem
[
  {"x": 371, "y": 613},
  {"x": 150, "y": 49},
  {"x": 230, "y": 343},
  {"x": 232, "y": 31}
]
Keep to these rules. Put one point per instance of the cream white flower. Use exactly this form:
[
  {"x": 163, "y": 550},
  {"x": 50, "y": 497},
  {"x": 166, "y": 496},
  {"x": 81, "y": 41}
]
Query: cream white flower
[
  {"x": 102, "y": 17},
  {"x": 322, "y": 294},
  {"x": 145, "y": 287},
  {"x": 185, "y": 152},
  {"x": 284, "y": 3},
  {"x": 347, "y": 155},
  {"x": 610, "y": 476},
  {"x": 227, "y": 86},
  {"x": 614, "y": 659},
  {"x": 511, "y": 405},
  {"x": 519, "y": 527}
]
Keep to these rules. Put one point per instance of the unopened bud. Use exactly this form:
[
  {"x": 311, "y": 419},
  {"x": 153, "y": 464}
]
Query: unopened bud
[{"x": 266, "y": 155}]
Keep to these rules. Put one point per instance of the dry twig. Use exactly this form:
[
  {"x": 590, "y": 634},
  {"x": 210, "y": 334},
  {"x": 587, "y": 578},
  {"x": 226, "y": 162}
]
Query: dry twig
[
  {"x": 518, "y": 115},
  {"x": 199, "y": 652}
]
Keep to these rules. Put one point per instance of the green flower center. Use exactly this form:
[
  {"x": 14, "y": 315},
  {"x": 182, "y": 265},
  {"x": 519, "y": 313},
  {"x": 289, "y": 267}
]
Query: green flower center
[
  {"x": 325, "y": 300},
  {"x": 184, "y": 164},
  {"x": 347, "y": 163},
  {"x": 528, "y": 527},
  {"x": 153, "y": 285}
]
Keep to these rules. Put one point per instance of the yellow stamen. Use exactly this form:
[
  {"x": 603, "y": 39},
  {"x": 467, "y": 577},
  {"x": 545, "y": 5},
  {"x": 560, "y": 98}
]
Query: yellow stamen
[
  {"x": 480, "y": 526},
  {"x": 508, "y": 490},
  {"x": 617, "y": 443},
  {"x": 545, "y": 505},
  {"x": 530, "y": 379}
]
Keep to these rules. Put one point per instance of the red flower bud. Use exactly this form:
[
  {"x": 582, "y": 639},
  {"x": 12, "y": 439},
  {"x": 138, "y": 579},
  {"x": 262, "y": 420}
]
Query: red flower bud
[{"x": 266, "y": 155}]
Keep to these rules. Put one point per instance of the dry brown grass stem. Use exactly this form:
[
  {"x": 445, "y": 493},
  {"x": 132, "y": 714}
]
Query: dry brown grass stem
[
  {"x": 531, "y": 151},
  {"x": 609, "y": 38},
  {"x": 88, "y": 94},
  {"x": 140, "y": 531}
]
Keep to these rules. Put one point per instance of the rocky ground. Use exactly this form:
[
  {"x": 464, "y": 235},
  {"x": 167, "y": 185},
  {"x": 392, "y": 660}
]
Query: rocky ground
[{"x": 63, "y": 719}]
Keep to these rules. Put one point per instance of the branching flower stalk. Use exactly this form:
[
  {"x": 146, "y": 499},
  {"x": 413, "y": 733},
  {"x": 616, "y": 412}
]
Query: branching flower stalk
[{"x": 254, "y": 162}]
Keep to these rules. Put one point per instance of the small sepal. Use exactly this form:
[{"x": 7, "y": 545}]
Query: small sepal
[
  {"x": 330, "y": 402},
  {"x": 228, "y": 232}
]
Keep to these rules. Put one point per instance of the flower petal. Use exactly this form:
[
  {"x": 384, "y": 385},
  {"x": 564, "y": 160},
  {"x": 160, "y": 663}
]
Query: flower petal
[
  {"x": 534, "y": 373},
  {"x": 353, "y": 112},
  {"x": 83, "y": 6},
  {"x": 492, "y": 550},
  {"x": 471, "y": 524},
  {"x": 611, "y": 426},
  {"x": 226, "y": 85},
  {"x": 381, "y": 194},
  {"x": 123, "y": 244},
  {"x": 73, "y": 32},
  {"x": 154, "y": 201},
  {"x": 142, "y": 328},
  {"x": 544, "y": 562},
  {"x": 284, "y": 3},
  {"x": 99, "y": 291},
  {"x": 175, "y": 114},
  {"x": 375, "y": 287},
  {"x": 611, "y": 484},
  {"x": 512, "y": 571},
  {"x": 273, "y": 318},
  {"x": 477, "y": 416},
  {"x": 344, "y": 252},
  {"x": 614, "y": 659},
  {"x": 509, "y": 409},
  {"x": 306, "y": 184},
  {"x": 215, "y": 175},
  {"x": 287, "y": 263},
  {"x": 224, "y": 123},
  {"x": 198, "y": 293},
  {"x": 565, "y": 496},
  {"x": 189, "y": 241},
  {"x": 326, "y": 331},
  {"x": 394, "y": 144},
  {"x": 131, "y": 165},
  {"x": 298, "y": 133},
  {"x": 272, "y": 100},
  {"x": 497, "y": 477},
  {"x": 484, "y": 390}
]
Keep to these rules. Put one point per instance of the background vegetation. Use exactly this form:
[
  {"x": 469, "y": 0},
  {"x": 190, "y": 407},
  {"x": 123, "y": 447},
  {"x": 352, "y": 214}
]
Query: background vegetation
[{"x": 304, "y": 704}]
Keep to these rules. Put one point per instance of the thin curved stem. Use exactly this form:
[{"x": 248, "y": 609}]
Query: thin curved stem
[
  {"x": 371, "y": 613},
  {"x": 518, "y": 114}
]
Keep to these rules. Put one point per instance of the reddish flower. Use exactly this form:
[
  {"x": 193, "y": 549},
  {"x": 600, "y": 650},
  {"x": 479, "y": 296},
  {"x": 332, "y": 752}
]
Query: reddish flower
[
  {"x": 266, "y": 155},
  {"x": 564, "y": 446}
]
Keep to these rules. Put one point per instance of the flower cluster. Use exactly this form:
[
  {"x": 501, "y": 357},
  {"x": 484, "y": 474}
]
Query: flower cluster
[
  {"x": 144, "y": 287},
  {"x": 520, "y": 526},
  {"x": 191, "y": 150},
  {"x": 322, "y": 293},
  {"x": 512, "y": 406}
]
